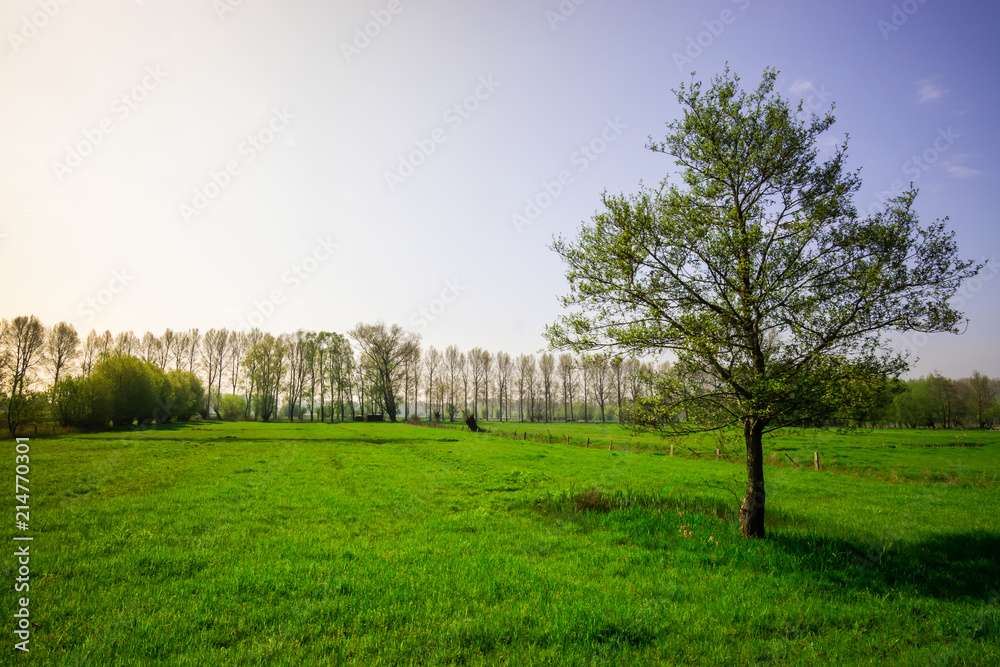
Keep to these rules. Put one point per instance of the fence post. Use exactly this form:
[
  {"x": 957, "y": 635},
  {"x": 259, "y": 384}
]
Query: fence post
[
  {"x": 816, "y": 459},
  {"x": 588, "y": 443},
  {"x": 716, "y": 454},
  {"x": 671, "y": 449}
]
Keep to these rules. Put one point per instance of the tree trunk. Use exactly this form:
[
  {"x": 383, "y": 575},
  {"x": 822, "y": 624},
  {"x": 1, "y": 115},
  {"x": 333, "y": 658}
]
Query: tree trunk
[{"x": 752, "y": 509}]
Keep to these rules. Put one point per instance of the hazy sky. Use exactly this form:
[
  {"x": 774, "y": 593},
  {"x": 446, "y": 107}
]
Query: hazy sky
[{"x": 305, "y": 164}]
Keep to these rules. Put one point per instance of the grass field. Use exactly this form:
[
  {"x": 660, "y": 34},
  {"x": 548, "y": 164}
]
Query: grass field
[{"x": 380, "y": 544}]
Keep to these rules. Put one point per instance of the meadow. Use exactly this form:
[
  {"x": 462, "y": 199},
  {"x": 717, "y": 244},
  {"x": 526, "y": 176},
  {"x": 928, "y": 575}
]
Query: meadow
[{"x": 391, "y": 544}]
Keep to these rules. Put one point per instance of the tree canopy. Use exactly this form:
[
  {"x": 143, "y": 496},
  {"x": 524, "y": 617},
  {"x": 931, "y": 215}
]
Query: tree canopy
[{"x": 756, "y": 271}]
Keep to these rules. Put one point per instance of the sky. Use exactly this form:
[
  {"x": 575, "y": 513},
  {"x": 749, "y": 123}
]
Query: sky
[{"x": 305, "y": 164}]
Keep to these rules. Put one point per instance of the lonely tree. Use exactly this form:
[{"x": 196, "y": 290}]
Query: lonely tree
[{"x": 754, "y": 269}]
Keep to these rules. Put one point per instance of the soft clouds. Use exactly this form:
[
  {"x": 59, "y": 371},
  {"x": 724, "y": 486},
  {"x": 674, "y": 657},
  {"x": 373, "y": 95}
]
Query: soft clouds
[{"x": 928, "y": 89}]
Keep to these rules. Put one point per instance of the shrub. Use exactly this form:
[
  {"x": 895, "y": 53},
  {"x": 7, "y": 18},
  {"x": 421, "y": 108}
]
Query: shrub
[{"x": 232, "y": 407}]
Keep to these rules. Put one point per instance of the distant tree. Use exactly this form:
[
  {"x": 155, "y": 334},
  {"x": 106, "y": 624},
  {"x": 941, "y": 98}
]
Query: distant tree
[
  {"x": 193, "y": 344},
  {"x": 265, "y": 363},
  {"x": 126, "y": 344},
  {"x": 547, "y": 367},
  {"x": 567, "y": 368},
  {"x": 214, "y": 345},
  {"x": 432, "y": 366},
  {"x": 133, "y": 390},
  {"x": 756, "y": 271},
  {"x": 504, "y": 367},
  {"x": 617, "y": 366},
  {"x": 22, "y": 345},
  {"x": 600, "y": 371},
  {"x": 475, "y": 360},
  {"x": 453, "y": 362},
  {"x": 149, "y": 347},
  {"x": 62, "y": 347},
  {"x": 386, "y": 348},
  {"x": 88, "y": 353},
  {"x": 525, "y": 386},
  {"x": 982, "y": 395},
  {"x": 187, "y": 395},
  {"x": 168, "y": 344},
  {"x": 232, "y": 407}
]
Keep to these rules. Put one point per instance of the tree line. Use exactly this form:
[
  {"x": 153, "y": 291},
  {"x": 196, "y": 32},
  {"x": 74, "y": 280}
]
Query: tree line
[{"x": 51, "y": 373}]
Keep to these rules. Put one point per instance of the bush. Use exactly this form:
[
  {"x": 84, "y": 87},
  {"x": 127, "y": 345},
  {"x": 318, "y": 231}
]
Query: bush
[{"x": 232, "y": 407}]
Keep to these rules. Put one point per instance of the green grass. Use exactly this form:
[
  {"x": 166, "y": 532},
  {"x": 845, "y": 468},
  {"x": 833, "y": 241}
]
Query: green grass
[{"x": 288, "y": 544}]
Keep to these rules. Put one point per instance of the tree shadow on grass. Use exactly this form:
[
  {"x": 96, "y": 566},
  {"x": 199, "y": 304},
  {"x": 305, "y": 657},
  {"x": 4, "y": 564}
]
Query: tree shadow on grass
[{"x": 960, "y": 566}]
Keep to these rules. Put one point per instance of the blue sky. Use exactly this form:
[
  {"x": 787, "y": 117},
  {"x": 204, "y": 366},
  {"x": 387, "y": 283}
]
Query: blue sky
[{"x": 301, "y": 164}]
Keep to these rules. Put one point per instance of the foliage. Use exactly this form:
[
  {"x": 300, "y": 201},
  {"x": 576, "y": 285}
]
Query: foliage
[
  {"x": 232, "y": 407},
  {"x": 758, "y": 274},
  {"x": 121, "y": 390}
]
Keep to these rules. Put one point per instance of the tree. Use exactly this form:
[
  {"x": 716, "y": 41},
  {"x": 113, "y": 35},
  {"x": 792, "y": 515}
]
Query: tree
[
  {"x": 215, "y": 345},
  {"x": 525, "y": 382},
  {"x": 432, "y": 362},
  {"x": 599, "y": 368},
  {"x": 504, "y": 368},
  {"x": 265, "y": 366},
  {"x": 547, "y": 367},
  {"x": 386, "y": 348},
  {"x": 567, "y": 372},
  {"x": 168, "y": 343},
  {"x": 453, "y": 360},
  {"x": 758, "y": 274},
  {"x": 982, "y": 394},
  {"x": 62, "y": 346},
  {"x": 22, "y": 342}
]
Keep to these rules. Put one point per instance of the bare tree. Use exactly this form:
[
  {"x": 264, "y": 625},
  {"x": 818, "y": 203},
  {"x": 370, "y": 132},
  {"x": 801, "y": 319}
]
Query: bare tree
[
  {"x": 618, "y": 379},
  {"x": 567, "y": 367},
  {"x": 22, "y": 341},
  {"x": 504, "y": 367},
  {"x": 214, "y": 345},
  {"x": 149, "y": 347},
  {"x": 126, "y": 344},
  {"x": 525, "y": 382},
  {"x": 547, "y": 366},
  {"x": 465, "y": 370},
  {"x": 475, "y": 360},
  {"x": 62, "y": 347},
  {"x": 432, "y": 363},
  {"x": 454, "y": 361},
  {"x": 191, "y": 354},
  {"x": 235, "y": 351},
  {"x": 600, "y": 371},
  {"x": 167, "y": 343}
]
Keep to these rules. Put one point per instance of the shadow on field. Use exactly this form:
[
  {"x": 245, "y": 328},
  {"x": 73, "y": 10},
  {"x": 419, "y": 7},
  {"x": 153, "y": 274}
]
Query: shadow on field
[
  {"x": 947, "y": 567},
  {"x": 961, "y": 566}
]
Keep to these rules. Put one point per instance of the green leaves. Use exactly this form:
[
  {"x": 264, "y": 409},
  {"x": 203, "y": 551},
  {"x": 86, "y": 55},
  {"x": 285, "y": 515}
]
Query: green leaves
[{"x": 755, "y": 270}]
